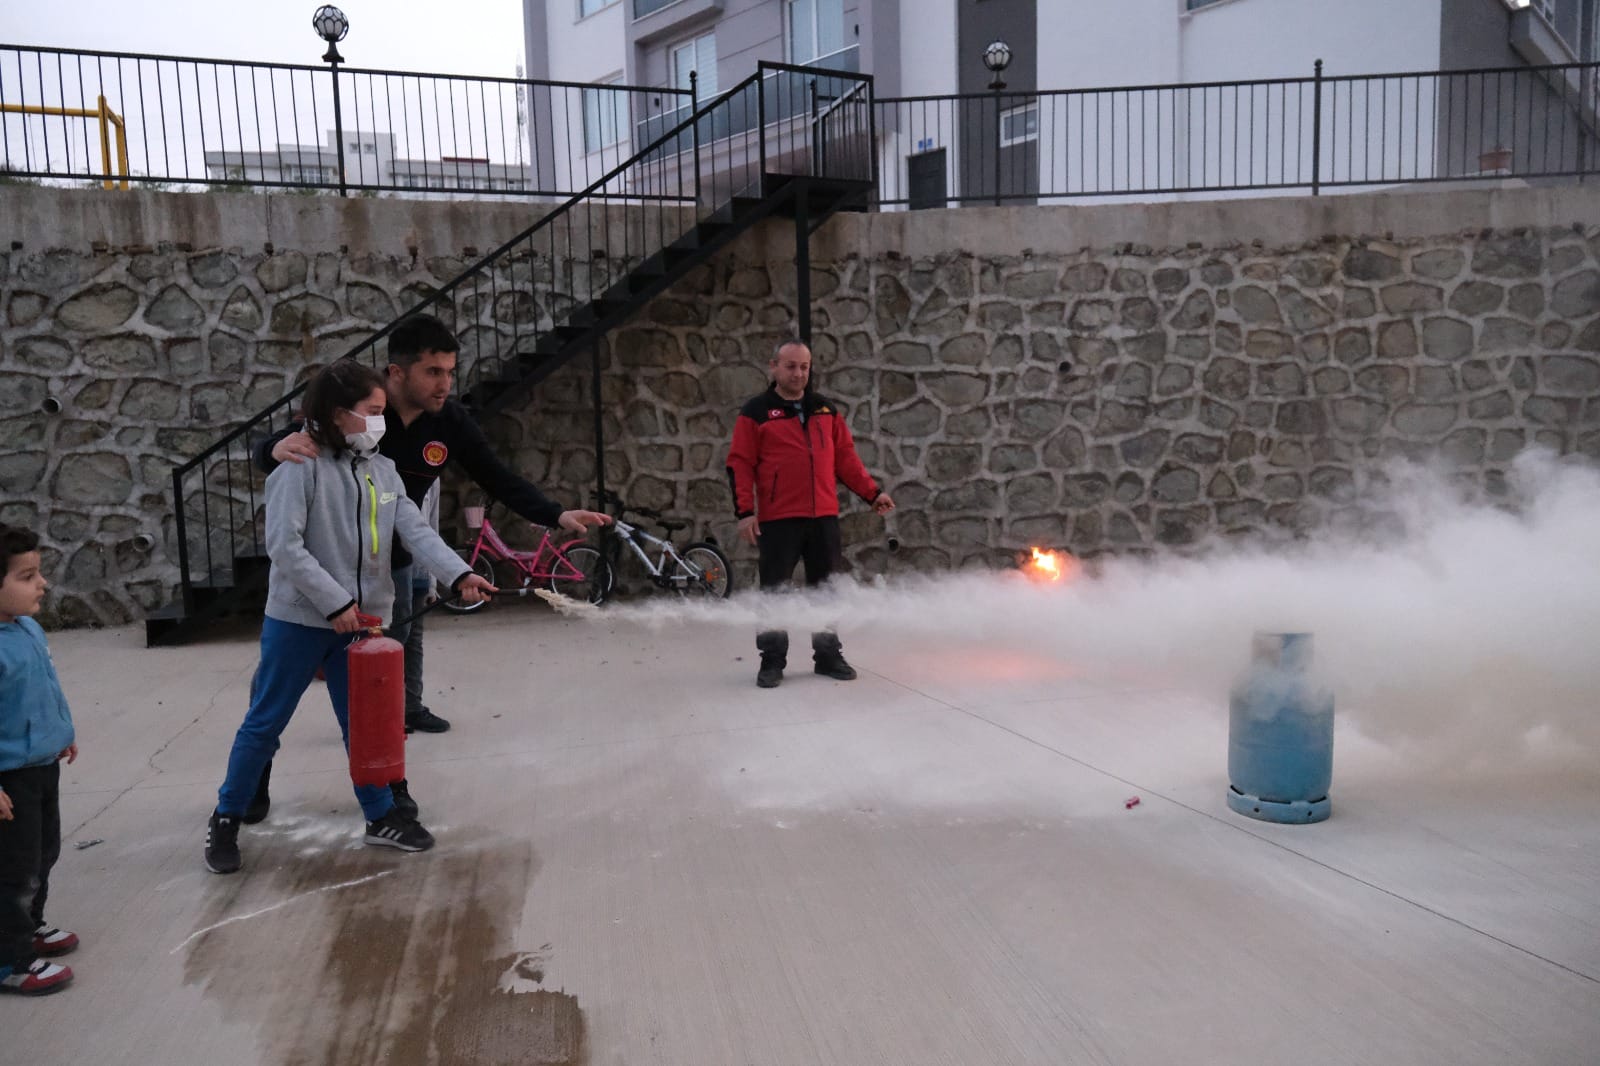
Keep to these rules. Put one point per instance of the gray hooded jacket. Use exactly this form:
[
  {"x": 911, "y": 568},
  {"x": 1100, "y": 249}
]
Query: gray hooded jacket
[{"x": 330, "y": 524}]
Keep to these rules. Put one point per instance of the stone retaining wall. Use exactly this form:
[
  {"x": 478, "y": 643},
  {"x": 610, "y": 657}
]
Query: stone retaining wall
[{"x": 1108, "y": 378}]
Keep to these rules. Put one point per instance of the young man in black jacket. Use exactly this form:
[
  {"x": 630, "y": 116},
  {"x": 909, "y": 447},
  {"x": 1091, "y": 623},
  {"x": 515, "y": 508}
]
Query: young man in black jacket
[{"x": 425, "y": 430}]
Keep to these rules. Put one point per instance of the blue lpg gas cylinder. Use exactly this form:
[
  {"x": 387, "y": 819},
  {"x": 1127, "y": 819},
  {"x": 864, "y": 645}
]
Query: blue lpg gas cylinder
[{"x": 1280, "y": 735}]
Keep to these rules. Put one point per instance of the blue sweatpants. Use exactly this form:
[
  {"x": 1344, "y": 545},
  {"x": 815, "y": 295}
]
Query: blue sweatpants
[{"x": 290, "y": 657}]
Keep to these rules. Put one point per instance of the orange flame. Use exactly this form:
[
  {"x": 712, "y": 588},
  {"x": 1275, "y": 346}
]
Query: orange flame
[{"x": 1048, "y": 565}]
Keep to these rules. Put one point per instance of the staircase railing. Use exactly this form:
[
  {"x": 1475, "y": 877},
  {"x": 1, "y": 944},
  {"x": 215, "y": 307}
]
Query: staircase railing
[{"x": 519, "y": 308}]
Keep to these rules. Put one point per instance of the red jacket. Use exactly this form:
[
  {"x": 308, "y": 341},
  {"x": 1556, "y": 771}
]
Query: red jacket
[{"x": 779, "y": 468}]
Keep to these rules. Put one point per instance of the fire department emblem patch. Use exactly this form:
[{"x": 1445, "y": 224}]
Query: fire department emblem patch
[{"x": 434, "y": 453}]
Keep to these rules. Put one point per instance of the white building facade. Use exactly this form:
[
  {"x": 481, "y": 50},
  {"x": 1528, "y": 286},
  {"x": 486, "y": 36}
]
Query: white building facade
[
  {"x": 369, "y": 161},
  {"x": 1031, "y": 140}
]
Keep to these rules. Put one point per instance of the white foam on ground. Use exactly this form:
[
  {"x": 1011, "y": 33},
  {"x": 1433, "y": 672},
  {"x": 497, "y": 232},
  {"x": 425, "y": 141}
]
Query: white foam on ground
[{"x": 1459, "y": 630}]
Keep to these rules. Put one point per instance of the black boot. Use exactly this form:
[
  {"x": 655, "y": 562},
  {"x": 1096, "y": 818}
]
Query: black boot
[
  {"x": 828, "y": 656},
  {"x": 425, "y": 721},
  {"x": 774, "y": 648},
  {"x": 262, "y": 803}
]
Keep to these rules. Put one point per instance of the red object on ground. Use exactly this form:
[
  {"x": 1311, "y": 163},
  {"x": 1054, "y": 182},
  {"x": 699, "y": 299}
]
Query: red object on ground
[
  {"x": 1131, "y": 802},
  {"x": 377, "y": 707}
]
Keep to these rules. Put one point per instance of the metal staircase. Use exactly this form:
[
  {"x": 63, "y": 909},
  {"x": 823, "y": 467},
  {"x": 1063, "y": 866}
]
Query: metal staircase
[{"x": 788, "y": 140}]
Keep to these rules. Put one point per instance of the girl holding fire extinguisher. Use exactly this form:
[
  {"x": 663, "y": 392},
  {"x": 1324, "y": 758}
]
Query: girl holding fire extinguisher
[{"x": 330, "y": 523}]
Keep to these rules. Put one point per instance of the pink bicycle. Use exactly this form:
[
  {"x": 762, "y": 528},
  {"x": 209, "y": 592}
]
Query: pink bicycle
[{"x": 572, "y": 568}]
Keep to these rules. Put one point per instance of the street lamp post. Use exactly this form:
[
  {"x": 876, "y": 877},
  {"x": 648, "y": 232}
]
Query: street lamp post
[
  {"x": 997, "y": 57},
  {"x": 332, "y": 26}
]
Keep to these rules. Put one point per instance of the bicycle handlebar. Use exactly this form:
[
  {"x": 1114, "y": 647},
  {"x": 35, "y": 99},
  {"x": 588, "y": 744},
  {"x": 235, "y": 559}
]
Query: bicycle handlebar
[{"x": 622, "y": 508}]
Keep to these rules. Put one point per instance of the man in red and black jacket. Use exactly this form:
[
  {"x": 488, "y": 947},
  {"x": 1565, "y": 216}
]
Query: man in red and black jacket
[{"x": 790, "y": 450}]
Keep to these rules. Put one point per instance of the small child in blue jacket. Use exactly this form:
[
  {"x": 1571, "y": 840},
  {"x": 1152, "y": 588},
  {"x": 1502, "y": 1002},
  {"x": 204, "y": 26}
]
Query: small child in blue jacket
[{"x": 35, "y": 734}]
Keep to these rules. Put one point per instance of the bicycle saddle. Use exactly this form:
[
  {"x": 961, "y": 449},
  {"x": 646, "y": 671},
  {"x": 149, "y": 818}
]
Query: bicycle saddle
[{"x": 670, "y": 526}]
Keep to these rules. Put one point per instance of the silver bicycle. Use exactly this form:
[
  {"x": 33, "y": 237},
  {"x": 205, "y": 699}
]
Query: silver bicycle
[{"x": 700, "y": 569}]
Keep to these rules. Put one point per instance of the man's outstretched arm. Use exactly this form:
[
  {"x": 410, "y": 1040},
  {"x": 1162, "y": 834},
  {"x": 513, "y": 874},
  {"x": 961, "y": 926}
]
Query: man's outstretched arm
[{"x": 504, "y": 484}]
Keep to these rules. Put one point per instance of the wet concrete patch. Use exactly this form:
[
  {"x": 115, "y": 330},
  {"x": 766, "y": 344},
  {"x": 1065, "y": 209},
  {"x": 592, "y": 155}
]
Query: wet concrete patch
[{"x": 334, "y": 964}]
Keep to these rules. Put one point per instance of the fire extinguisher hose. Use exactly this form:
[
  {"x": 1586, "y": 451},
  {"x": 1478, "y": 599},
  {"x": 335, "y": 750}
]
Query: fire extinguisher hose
[{"x": 441, "y": 601}]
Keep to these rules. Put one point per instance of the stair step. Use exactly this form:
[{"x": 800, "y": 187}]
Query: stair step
[
  {"x": 249, "y": 565},
  {"x": 172, "y": 612},
  {"x": 684, "y": 246},
  {"x": 667, "y": 259},
  {"x": 595, "y": 311},
  {"x": 734, "y": 211}
]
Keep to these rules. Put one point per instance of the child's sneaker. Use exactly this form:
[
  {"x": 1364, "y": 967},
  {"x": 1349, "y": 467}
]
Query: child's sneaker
[
  {"x": 222, "y": 844},
  {"x": 395, "y": 830},
  {"x": 48, "y": 942},
  {"x": 40, "y": 977}
]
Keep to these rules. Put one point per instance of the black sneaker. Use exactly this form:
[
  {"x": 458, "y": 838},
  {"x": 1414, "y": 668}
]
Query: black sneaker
[
  {"x": 425, "y": 721},
  {"x": 835, "y": 667},
  {"x": 770, "y": 675},
  {"x": 395, "y": 830},
  {"x": 262, "y": 803},
  {"x": 402, "y": 799},
  {"x": 222, "y": 844}
]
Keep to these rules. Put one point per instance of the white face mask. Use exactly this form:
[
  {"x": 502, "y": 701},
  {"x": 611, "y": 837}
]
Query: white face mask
[{"x": 366, "y": 442}]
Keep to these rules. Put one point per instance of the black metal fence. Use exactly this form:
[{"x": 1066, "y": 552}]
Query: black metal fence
[
  {"x": 118, "y": 117},
  {"x": 1316, "y": 133}
]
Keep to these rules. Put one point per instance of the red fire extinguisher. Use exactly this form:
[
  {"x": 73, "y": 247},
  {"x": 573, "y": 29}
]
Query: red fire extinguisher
[{"x": 377, "y": 706}]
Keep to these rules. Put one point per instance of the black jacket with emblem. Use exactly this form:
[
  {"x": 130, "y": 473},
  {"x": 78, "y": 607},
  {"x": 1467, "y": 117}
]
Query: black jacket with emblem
[{"x": 421, "y": 450}]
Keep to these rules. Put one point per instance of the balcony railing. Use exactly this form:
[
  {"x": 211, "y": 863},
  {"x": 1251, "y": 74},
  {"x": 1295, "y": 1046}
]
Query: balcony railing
[{"x": 1534, "y": 123}]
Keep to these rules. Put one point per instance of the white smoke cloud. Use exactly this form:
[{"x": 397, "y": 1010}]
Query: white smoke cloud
[{"x": 1454, "y": 630}]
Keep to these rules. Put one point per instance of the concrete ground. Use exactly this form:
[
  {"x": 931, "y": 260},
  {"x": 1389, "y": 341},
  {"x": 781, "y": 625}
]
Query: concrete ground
[{"x": 644, "y": 859}]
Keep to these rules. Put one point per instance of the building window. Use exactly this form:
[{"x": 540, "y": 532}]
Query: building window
[
  {"x": 605, "y": 116},
  {"x": 1576, "y": 22},
  {"x": 1193, "y": 4},
  {"x": 698, "y": 55},
  {"x": 641, "y": 8},
  {"x": 815, "y": 28},
  {"x": 1018, "y": 125},
  {"x": 589, "y": 7}
]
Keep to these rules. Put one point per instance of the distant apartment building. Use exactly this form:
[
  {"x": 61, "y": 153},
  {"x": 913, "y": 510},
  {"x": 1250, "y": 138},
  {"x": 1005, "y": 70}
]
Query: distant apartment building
[
  {"x": 369, "y": 161},
  {"x": 978, "y": 142}
]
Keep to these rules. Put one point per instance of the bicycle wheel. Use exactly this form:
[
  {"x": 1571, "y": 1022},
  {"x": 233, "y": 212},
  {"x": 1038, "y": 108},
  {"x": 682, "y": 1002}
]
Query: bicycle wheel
[
  {"x": 484, "y": 569},
  {"x": 708, "y": 570},
  {"x": 595, "y": 583}
]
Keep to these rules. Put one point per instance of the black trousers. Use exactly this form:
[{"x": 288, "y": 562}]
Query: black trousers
[
  {"x": 30, "y": 844},
  {"x": 786, "y": 542},
  {"x": 783, "y": 544}
]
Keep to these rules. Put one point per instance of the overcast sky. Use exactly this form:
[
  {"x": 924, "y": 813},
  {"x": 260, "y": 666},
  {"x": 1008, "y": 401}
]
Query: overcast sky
[{"x": 443, "y": 36}]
